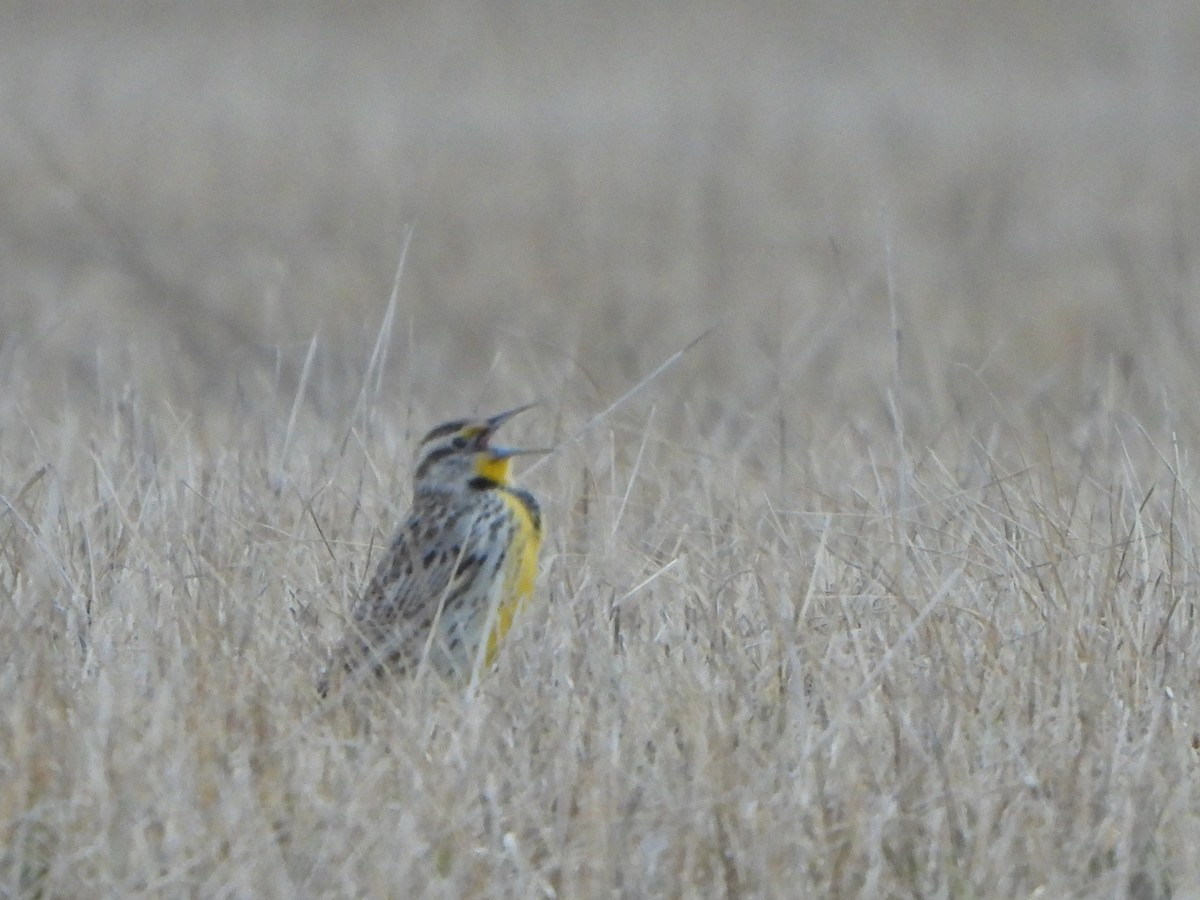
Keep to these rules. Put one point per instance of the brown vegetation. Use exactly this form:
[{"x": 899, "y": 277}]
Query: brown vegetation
[{"x": 886, "y": 588}]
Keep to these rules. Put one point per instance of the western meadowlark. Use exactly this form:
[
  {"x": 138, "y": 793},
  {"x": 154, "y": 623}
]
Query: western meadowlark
[{"x": 460, "y": 566}]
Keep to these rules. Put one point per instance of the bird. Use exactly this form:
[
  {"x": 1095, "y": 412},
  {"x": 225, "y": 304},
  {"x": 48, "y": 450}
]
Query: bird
[{"x": 460, "y": 567}]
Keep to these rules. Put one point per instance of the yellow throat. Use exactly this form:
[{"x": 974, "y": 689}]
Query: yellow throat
[{"x": 492, "y": 468}]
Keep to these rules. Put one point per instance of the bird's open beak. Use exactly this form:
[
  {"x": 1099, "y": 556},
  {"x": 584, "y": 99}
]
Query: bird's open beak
[
  {"x": 500, "y": 418},
  {"x": 505, "y": 452}
]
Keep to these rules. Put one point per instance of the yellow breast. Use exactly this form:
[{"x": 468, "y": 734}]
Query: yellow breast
[{"x": 521, "y": 567}]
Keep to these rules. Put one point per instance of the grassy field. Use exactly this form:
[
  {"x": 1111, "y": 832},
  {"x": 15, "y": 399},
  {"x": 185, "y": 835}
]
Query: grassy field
[{"x": 885, "y": 588}]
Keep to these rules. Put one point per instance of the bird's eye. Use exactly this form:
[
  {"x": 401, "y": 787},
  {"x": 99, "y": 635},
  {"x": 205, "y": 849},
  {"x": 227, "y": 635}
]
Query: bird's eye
[{"x": 459, "y": 442}]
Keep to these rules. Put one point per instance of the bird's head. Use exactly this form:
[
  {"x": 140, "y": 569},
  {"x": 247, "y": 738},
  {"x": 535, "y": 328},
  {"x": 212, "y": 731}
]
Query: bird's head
[{"x": 456, "y": 453}]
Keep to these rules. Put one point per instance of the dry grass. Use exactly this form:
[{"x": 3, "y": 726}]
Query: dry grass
[{"x": 885, "y": 589}]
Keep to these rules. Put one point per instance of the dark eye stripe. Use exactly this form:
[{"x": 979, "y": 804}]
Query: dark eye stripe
[
  {"x": 443, "y": 430},
  {"x": 431, "y": 457}
]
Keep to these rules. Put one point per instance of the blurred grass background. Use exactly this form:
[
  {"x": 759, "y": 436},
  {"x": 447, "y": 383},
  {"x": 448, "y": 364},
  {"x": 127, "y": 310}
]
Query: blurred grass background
[
  {"x": 953, "y": 252},
  {"x": 192, "y": 192}
]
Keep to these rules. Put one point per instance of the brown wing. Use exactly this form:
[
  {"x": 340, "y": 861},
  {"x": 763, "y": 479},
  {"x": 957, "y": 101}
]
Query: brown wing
[{"x": 435, "y": 557}]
